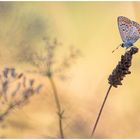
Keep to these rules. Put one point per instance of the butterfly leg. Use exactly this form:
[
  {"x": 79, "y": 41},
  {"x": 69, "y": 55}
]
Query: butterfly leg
[{"x": 128, "y": 48}]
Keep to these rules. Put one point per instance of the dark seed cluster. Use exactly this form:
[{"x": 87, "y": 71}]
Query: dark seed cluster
[{"x": 122, "y": 69}]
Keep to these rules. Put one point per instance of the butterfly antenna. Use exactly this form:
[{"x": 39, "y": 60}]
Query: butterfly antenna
[{"x": 116, "y": 48}]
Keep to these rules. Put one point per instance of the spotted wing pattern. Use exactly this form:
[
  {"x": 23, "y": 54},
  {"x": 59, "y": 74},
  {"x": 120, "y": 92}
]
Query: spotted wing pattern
[
  {"x": 129, "y": 30},
  {"x": 135, "y": 24}
]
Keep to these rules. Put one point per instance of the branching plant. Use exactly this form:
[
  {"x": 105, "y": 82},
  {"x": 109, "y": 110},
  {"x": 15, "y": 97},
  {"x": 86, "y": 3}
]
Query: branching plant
[
  {"x": 46, "y": 64},
  {"x": 15, "y": 91}
]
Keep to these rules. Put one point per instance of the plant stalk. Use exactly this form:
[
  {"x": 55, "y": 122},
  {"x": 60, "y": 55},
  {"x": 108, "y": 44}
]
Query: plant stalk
[
  {"x": 60, "y": 112},
  {"x": 100, "y": 112}
]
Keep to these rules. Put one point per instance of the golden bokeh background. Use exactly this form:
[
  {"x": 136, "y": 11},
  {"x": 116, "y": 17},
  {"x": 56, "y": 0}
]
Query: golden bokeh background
[{"x": 92, "y": 28}]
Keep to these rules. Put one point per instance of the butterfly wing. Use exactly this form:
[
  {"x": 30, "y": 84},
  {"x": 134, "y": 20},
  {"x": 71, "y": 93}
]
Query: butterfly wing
[
  {"x": 124, "y": 25},
  {"x": 129, "y": 30},
  {"x": 133, "y": 35},
  {"x": 135, "y": 24},
  {"x": 136, "y": 34}
]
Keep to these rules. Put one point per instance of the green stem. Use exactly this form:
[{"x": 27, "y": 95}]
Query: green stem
[
  {"x": 60, "y": 112},
  {"x": 100, "y": 112}
]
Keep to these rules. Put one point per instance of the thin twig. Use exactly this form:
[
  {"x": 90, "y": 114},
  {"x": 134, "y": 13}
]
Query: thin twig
[
  {"x": 100, "y": 112},
  {"x": 60, "y": 112},
  {"x": 10, "y": 108}
]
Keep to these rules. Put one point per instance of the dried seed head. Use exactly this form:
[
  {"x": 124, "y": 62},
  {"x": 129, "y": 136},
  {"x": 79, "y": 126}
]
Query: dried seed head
[
  {"x": 122, "y": 69},
  {"x": 5, "y": 72},
  {"x": 13, "y": 72}
]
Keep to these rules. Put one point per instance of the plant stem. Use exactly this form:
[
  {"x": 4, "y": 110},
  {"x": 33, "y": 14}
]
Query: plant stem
[
  {"x": 100, "y": 112},
  {"x": 60, "y": 112}
]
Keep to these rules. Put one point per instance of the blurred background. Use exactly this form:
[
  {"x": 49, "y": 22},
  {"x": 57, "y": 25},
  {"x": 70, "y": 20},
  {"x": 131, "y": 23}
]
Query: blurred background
[{"x": 92, "y": 28}]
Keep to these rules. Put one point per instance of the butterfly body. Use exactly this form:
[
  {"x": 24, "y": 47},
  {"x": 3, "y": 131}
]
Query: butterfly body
[
  {"x": 126, "y": 45},
  {"x": 129, "y": 31}
]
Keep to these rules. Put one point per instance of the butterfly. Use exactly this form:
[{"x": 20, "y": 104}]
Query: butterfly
[{"x": 129, "y": 31}]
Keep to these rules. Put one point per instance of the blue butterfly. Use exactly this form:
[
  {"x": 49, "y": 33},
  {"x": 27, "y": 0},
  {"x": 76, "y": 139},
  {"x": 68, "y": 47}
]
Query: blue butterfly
[{"x": 129, "y": 31}]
